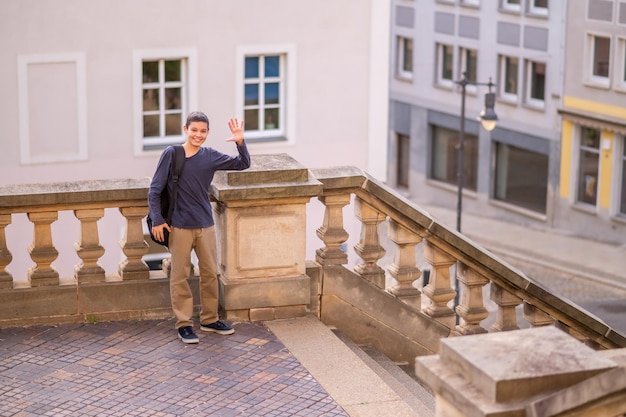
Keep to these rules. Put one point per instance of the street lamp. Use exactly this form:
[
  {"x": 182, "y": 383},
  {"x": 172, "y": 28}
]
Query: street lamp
[{"x": 488, "y": 119}]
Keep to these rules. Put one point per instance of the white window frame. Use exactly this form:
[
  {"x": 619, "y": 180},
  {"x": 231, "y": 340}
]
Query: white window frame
[
  {"x": 578, "y": 148},
  {"x": 528, "y": 99},
  {"x": 190, "y": 97},
  {"x": 79, "y": 60},
  {"x": 505, "y": 95},
  {"x": 619, "y": 81},
  {"x": 591, "y": 78},
  {"x": 444, "y": 82},
  {"x": 512, "y": 6},
  {"x": 287, "y": 112},
  {"x": 537, "y": 10},
  {"x": 401, "y": 58},
  {"x": 619, "y": 143}
]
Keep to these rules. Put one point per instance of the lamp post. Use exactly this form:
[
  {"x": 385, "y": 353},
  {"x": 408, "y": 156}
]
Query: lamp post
[{"x": 488, "y": 119}]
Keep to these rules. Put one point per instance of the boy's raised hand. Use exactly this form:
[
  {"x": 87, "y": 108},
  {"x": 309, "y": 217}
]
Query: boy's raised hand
[{"x": 236, "y": 128}]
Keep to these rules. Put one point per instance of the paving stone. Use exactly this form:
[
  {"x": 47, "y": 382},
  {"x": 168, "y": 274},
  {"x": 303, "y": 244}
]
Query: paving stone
[{"x": 137, "y": 368}]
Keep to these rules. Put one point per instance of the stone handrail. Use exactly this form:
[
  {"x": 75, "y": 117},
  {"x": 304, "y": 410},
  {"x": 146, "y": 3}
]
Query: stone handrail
[{"x": 442, "y": 248}]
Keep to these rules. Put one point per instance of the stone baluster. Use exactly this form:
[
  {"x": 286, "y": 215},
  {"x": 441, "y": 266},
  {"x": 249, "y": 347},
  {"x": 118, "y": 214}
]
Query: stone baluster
[
  {"x": 471, "y": 308},
  {"x": 506, "y": 317},
  {"x": 332, "y": 232},
  {"x": 439, "y": 289},
  {"x": 6, "y": 279},
  {"x": 88, "y": 248},
  {"x": 133, "y": 245},
  {"x": 369, "y": 248},
  {"x": 536, "y": 317},
  {"x": 42, "y": 251},
  {"x": 403, "y": 268}
]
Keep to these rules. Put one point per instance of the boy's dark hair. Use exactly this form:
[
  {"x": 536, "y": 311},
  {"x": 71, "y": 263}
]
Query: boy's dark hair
[{"x": 197, "y": 116}]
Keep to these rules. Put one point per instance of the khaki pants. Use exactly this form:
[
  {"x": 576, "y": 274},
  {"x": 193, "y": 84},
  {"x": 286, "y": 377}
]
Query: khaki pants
[{"x": 182, "y": 242}]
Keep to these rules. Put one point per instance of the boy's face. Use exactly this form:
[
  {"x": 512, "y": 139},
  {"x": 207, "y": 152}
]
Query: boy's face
[{"x": 197, "y": 133}]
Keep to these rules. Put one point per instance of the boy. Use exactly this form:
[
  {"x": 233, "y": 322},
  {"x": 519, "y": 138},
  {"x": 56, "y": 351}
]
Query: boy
[{"x": 192, "y": 221}]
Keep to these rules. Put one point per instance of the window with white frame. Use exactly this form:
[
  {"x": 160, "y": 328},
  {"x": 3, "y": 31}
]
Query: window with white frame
[
  {"x": 164, "y": 92},
  {"x": 445, "y": 66},
  {"x": 588, "y": 166},
  {"x": 539, "y": 7},
  {"x": 405, "y": 58},
  {"x": 266, "y": 91},
  {"x": 599, "y": 48},
  {"x": 512, "y": 5},
  {"x": 509, "y": 71},
  {"x": 535, "y": 84}
]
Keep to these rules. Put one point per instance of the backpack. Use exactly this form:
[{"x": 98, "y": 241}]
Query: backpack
[{"x": 167, "y": 202}]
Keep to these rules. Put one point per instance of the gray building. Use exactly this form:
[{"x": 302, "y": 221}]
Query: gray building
[{"x": 511, "y": 172}]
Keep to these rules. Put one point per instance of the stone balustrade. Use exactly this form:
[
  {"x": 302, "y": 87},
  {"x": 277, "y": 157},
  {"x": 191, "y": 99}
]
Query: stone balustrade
[{"x": 261, "y": 216}]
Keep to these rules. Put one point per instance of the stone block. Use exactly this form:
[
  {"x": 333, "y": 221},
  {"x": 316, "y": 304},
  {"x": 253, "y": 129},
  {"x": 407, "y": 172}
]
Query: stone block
[
  {"x": 39, "y": 305},
  {"x": 501, "y": 373},
  {"x": 261, "y": 293},
  {"x": 261, "y": 314}
]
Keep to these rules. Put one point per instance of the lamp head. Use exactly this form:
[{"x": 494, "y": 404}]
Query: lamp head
[{"x": 488, "y": 116}]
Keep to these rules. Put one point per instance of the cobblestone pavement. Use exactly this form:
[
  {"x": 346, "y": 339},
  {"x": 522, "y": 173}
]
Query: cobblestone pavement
[
  {"x": 607, "y": 302},
  {"x": 140, "y": 368}
]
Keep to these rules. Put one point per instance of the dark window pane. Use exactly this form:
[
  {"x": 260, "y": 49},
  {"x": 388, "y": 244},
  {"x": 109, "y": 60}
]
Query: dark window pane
[
  {"x": 447, "y": 63},
  {"x": 271, "y": 93},
  {"x": 541, "y": 3},
  {"x": 251, "y": 94},
  {"x": 590, "y": 138},
  {"x": 252, "y": 119},
  {"x": 538, "y": 81},
  {"x": 588, "y": 179},
  {"x": 622, "y": 207},
  {"x": 470, "y": 64},
  {"x": 150, "y": 71},
  {"x": 151, "y": 126},
  {"x": 403, "y": 159},
  {"x": 272, "y": 67},
  {"x": 444, "y": 162},
  {"x": 521, "y": 177},
  {"x": 172, "y": 71},
  {"x": 252, "y": 67},
  {"x": 173, "y": 124},
  {"x": 151, "y": 99},
  {"x": 511, "y": 75},
  {"x": 407, "y": 64},
  {"x": 601, "y": 56},
  {"x": 173, "y": 98},
  {"x": 271, "y": 119}
]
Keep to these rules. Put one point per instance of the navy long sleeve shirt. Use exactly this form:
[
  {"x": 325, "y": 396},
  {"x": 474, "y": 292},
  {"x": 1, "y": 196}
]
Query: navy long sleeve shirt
[{"x": 193, "y": 207}]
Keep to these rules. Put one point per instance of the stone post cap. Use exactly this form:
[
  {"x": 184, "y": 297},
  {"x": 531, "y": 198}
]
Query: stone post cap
[
  {"x": 269, "y": 176},
  {"x": 509, "y": 367}
]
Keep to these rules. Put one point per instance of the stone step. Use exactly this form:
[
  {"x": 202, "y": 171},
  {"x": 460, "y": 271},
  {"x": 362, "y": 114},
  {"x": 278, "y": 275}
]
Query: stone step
[
  {"x": 357, "y": 382},
  {"x": 400, "y": 378}
]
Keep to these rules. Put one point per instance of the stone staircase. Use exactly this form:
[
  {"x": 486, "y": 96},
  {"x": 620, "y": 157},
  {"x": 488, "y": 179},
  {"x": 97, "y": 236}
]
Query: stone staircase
[{"x": 362, "y": 380}]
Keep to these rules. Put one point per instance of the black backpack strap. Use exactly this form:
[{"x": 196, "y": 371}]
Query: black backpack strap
[{"x": 178, "y": 162}]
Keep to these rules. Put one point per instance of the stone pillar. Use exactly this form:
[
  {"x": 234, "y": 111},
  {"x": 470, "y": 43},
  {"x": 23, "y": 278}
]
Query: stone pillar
[
  {"x": 508, "y": 373},
  {"x": 6, "y": 279},
  {"x": 369, "y": 248},
  {"x": 506, "y": 317},
  {"x": 471, "y": 309},
  {"x": 88, "y": 247},
  {"x": 439, "y": 289},
  {"x": 133, "y": 245},
  {"x": 42, "y": 250},
  {"x": 261, "y": 224},
  {"x": 404, "y": 267},
  {"x": 332, "y": 232}
]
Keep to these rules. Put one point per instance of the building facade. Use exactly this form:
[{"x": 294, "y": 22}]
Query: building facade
[
  {"x": 512, "y": 172},
  {"x": 592, "y": 192},
  {"x": 96, "y": 91}
]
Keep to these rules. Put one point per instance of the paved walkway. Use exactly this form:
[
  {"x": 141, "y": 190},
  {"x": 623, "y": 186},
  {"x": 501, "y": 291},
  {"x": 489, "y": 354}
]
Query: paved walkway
[{"x": 142, "y": 369}]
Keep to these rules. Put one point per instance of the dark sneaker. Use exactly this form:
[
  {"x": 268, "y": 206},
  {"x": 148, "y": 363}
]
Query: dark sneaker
[
  {"x": 187, "y": 335},
  {"x": 218, "y": 327}
]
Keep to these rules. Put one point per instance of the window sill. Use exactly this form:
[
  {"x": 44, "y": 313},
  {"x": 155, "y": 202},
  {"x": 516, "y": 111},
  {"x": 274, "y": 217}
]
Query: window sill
[
  {"x": 535, "y": 106},
  {"x": 600, "y": 85},
  {"x": 508, "y": 100},
  {"x": 585, "y": 208},
  {"x": 619, "y": 218},
  {"x": 269, "y": 139},
  {"x": 519, "y": 210},
  {"x": 404, "y": 78}
]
